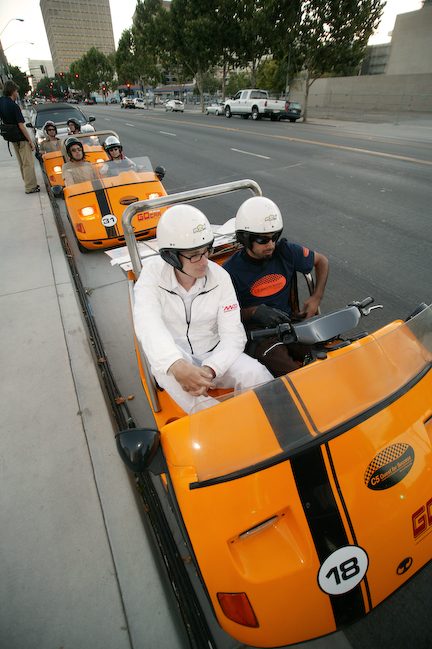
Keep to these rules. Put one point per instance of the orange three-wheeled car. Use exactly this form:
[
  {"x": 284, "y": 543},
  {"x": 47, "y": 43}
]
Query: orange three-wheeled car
[{"x": 284, "y": 494}]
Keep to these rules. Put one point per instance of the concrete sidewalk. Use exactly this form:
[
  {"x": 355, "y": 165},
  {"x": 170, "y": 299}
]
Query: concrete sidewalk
[{"x": 77, "y": 569}]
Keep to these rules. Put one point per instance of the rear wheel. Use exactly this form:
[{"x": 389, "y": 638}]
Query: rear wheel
[
  {"x": 292, "y": 119},
  {"x": 246, "y": 116},
  {"x": 228, "y": 111},
  {"x": 255, "y": 113}
]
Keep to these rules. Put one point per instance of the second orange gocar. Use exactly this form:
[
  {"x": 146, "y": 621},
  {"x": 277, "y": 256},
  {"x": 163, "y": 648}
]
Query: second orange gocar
[{"x": 95, "y": 208}]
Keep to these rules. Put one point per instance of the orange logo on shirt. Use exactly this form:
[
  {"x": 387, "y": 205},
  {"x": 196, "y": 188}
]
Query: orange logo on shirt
[
  {"x": 305, "y": 252},
  {"x": 268, "y": 285}
]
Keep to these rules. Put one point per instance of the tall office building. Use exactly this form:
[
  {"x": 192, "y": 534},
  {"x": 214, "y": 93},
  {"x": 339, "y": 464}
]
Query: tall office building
[{"x": 74, "y": 26}]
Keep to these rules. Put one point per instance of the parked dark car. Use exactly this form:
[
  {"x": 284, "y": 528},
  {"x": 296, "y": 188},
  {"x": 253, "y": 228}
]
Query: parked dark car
[{"x": 293, "y": 111}]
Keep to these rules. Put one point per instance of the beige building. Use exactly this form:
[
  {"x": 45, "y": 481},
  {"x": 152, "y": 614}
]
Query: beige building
[
  {"x": 35, "y": 68},
  {"x": 74, "y": 26},
  {"x": 411, "y": 45}
]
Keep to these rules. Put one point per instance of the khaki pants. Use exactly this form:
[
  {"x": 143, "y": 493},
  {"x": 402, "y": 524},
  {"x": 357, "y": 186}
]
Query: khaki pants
[{"x": 25, "y": 159}]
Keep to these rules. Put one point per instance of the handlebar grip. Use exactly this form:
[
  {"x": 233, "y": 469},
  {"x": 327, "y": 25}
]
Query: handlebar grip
[
  {"x": 366, "y": 302},
  {"x": 263, "y": 333}
]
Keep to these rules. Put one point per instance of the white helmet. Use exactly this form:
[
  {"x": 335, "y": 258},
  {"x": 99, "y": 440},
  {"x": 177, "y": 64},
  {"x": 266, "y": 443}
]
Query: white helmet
[
  {"x": 182, "y": 227},
  {"x": 257, "y": 215}
]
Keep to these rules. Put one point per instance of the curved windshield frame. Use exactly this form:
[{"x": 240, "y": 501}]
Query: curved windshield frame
[
  {"x": 111, "y": 172},
  {"x": 321, "y": 400}
]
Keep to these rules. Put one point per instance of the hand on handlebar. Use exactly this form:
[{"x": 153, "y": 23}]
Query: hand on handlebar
[
  {"x": 195, "y": 380},
  {"x": 310, "y": 307},
  {"x": 270, "y": 317}
]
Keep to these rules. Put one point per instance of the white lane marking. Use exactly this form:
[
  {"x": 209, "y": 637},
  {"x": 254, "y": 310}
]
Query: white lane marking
[
  {"x": 257, "y": 155},
  {"x": 107, "y": 119},
  {"x": 166, "y": 133},
  {"x": 126, "y": 124}
]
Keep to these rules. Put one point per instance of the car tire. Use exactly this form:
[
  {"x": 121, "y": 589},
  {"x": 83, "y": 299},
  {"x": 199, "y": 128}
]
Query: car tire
[
  {"x": 207, "y": 112},
  {"x": 246, "y": 116},
  {"x": 81, "y": 247},
  {"x": 228, "y": 112},
  {"x": 255, "y": 113},
  {"x": 292, "y": 119}
]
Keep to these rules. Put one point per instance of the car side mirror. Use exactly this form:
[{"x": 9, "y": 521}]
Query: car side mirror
[
  {"x": 57, "y": 190},
  {"x": 160, "y": 172},
  {"x": 137, "y": 446},
  {"x": 92, "y": 119}
]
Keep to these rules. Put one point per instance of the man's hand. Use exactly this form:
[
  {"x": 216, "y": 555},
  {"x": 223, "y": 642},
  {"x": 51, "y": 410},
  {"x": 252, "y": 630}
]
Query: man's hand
[
  {"x": 195, "y": 380},
  {"x": 269, "y": 317},
  {"x": 310, "y": 307}
]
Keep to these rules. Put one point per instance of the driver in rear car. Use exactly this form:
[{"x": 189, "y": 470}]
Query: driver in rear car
[
  {"x": 262, "y": 273},
  {"x": 187, "y": 316}
]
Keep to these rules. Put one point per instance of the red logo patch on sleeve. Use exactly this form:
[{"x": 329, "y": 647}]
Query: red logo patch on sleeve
[
  {"x": 231, "y": 307},
  {"x": 306, "y": 251}
]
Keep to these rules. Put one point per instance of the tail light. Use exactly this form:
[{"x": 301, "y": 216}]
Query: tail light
[
  {"x": 80, "y": 228},
  {"x": 287, "y": 105},
  {"x": 237, "y": 608}
]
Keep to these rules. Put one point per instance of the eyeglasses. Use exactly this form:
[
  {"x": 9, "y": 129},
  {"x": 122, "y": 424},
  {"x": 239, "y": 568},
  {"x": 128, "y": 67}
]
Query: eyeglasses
[
  {"x": 75, "y": 149},
  {"x": 262, "y": 240},
  {"x": 51, "y": 129},
  {"x": 196, "y": 258},
  {"x": 114, "y": 148}
]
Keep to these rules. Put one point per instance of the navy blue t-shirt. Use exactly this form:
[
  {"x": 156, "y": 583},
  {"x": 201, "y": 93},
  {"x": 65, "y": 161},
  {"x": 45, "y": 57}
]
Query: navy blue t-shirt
[
  {"x": 10, "y": 112},
  {"x": 271, "y": 285}
]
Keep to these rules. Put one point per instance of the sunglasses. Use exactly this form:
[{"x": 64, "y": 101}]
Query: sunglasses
[
  {"x": 262, "y": 240},
  {"x": 51, "y": 129}
]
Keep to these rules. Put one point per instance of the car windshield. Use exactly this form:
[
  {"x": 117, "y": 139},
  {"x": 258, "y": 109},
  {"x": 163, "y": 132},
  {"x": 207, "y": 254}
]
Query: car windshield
[
  {"x": 266, "y": 425},
  {"x": 128, "y": 171},
  {"x": 58, "y": 116}
]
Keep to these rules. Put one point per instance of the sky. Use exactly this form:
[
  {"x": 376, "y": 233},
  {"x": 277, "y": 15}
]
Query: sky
[{"x": 16, "y": 37}]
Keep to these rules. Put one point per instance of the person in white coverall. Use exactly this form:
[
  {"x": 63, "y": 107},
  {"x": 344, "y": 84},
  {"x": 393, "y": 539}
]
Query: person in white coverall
[{"x": 187, "y": 315}]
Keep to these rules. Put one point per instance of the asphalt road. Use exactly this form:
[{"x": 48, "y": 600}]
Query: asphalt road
[{"x": 359, "y": 193}]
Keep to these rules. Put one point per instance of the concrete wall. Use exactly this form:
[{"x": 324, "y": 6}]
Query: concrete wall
[{"x": 375, "y": 92}]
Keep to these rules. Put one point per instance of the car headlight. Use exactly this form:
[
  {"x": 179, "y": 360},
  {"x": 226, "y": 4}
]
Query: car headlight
[
  {"x": 57, "y": 169},
  {"x": 155, "y": 195},
  {"x": 88, "y": 213}
]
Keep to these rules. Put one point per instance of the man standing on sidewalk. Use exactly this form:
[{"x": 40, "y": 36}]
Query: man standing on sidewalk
[{"x": 10, "y": 113}]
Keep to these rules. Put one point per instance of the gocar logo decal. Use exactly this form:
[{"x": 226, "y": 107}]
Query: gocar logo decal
[
  {"x": 389, "y": 467},
  {"x": 128, "y": 200}
]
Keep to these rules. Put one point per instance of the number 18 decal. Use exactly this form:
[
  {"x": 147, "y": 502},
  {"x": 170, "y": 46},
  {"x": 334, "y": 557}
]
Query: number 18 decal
[{"x": 343, "y": 570}]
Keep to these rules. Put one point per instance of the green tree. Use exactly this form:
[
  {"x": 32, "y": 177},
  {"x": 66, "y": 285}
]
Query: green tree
[
  {"x": 236, "y": 82},
  {"x": 92, "y": 71},
  {"x": 194, "y": 25},
  {"x": 126, "y": 60},
  {"x": 331, "y": 37},
  {"x": 263, "y": 24},
  {"x": 20, "y": 79},
  {"x": 227, "y": 36}
]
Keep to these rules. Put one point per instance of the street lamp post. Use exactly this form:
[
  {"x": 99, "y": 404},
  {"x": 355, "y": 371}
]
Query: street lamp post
[{"x": 21, "y": 20}]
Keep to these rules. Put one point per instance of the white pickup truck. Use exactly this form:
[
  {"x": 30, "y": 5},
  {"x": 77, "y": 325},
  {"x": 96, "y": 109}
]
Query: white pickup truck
[{"x": 255, "y": 103}]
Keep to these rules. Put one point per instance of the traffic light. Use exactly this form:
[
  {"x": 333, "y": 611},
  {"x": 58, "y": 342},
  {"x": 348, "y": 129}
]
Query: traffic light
[
  {"x": 61, "y": 75},
  {"x": 128, "y": 85},
  {"x": 77, "y": 76},
  {"x": 42, "y": 69},
  {"x": 103, "y": 88}
]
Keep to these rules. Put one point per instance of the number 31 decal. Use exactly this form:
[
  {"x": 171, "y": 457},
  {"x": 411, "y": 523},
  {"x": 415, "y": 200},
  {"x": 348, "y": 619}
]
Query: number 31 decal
[{"x": 343, "y": 570}]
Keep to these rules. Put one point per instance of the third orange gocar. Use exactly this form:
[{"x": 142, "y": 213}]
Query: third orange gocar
[{"x": 283, "y": 495}]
